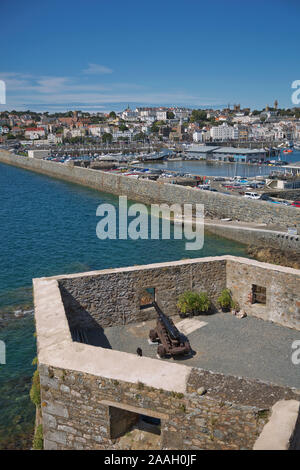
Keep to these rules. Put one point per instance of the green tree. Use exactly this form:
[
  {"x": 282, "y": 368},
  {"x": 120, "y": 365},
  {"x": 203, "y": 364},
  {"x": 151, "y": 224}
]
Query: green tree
[
  {"x": 154, "y": 127},
  {"x": 107, "y": 137},
  {"x": 139, "y": 136},
  {"x": 198, "y": 115},
  {"x": 112, "y": 115}
]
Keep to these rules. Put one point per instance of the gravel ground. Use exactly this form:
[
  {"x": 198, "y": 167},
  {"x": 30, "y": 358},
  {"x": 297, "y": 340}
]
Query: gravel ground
[{"x": 247, "y": 347}]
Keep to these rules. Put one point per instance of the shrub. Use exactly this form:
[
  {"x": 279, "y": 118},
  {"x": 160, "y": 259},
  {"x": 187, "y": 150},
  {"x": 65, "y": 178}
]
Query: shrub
[
  {"x": 193, "y": 302},
  {"x": 225, "y": 299}
]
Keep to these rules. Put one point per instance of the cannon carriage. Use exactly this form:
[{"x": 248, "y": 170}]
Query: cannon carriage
[{"x": 172, "y": 341}]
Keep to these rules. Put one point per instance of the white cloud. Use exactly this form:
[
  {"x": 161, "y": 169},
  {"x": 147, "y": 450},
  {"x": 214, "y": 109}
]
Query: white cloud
[
  {"x": 96, "y": 69},
  {"x": 35, "y": 91},
  {"x": 51, "y": 84}
]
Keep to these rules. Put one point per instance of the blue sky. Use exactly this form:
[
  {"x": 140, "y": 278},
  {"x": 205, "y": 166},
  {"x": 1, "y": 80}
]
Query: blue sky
[{"x": 102, "y": 55}]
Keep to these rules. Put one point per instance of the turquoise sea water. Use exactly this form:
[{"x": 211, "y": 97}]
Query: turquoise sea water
[{"x": 48, "y": 227}]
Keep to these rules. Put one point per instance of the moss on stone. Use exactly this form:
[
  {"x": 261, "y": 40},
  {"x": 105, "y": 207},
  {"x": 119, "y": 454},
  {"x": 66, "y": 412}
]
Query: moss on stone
[
  {"x": 35, "y": 391},
  {"x": 38, "y": 440}
]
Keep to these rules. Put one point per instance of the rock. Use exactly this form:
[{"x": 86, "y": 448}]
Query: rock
[
  {"x": 18, "y": 313},
  {"x": 275, "y": 256},
  {"x": 201, "y": 391},
  {"x": 241, "y": 314}
]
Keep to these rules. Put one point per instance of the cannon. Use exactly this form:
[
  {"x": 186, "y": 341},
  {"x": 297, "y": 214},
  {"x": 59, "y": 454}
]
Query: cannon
[{"x": 172, "y": 342}]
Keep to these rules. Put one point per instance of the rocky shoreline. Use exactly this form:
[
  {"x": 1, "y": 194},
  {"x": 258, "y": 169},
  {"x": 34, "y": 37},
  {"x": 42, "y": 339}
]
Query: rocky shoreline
[
  {"x": 9, "y": 315},
  {"x": 274, "y": 256}
]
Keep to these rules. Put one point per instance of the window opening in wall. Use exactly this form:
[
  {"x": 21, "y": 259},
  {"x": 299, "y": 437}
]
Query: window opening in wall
[
  {"x": 259, "y": 294},
  {"x": 147, "y": 297},
  {"x": 134, "y": 429}
]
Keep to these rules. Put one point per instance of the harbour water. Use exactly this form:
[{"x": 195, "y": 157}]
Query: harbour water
[
  {"x": 48, "y": 227},
  {"x": 208, "y": 168}
]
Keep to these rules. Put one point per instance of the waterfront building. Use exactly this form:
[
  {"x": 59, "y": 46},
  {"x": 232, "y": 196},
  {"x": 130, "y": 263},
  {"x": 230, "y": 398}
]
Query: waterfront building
[
  {"x": 233, "y": 154},
  {"x": 201, "y": 151},
  {"x": 293, "y": 168}
]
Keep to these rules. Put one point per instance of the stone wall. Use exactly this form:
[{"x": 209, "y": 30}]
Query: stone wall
[
  {"x": 114, "y": 297},
  {"x": 282, "y": 290},
  {"x": 82, "y": 411},
  {"x": 257, "y": 237},
  {"x": 216, "y": 204}
]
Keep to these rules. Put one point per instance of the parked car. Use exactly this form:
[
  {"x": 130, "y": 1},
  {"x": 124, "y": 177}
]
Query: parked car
[
  {"x": 265, "y": 197},
  {"x": 296, "y": 204},
  {"x": 251, "y": 195}
]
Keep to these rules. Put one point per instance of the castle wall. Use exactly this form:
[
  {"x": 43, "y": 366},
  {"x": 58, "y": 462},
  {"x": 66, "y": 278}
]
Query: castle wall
[
  {"x": 91, "y": 396},
  {"x": 114, "y": 297},
  {"x": 282, "y": 290},
  {"x": 77, "y": 413}
]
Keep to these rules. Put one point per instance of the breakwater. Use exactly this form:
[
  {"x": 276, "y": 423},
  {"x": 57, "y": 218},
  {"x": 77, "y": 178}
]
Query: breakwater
[
  {"x": 216, "y": 205},
  {"x": 255, "y": 236}
]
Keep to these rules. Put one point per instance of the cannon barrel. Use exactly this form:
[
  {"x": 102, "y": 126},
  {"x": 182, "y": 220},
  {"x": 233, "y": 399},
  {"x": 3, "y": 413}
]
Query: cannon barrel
[{"x": 168, "y": 323}]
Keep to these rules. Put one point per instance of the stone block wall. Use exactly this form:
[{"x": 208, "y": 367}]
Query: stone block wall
[
  {"x": 113, "y": 298},
  {"x": 259, "y": 237},
  {"x": 77, "y": 411},
  {"x": 282, "y": 291}
]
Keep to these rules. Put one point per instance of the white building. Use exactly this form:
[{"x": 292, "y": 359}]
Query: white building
[
  {"x": 224, "y": 132},
  {"x": 182, "y": 113},
  {"x": 198, "y": 136},
  {"x": 129, "y": 114},
  {"x": 77, "y": 132},
  {"x": 146, "y": 129},
  {"x": 121, "y": 134},
  {"x": 96, "y": 131},
  {"x": 54, "y": 139},
  {"x": 161, "y": 115},
  {"x": 146, "y": 112},
  {"x": 34, "y": 133}
]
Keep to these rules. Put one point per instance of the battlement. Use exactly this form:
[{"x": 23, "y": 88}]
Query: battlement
[{"x": 95, "y": 388}]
